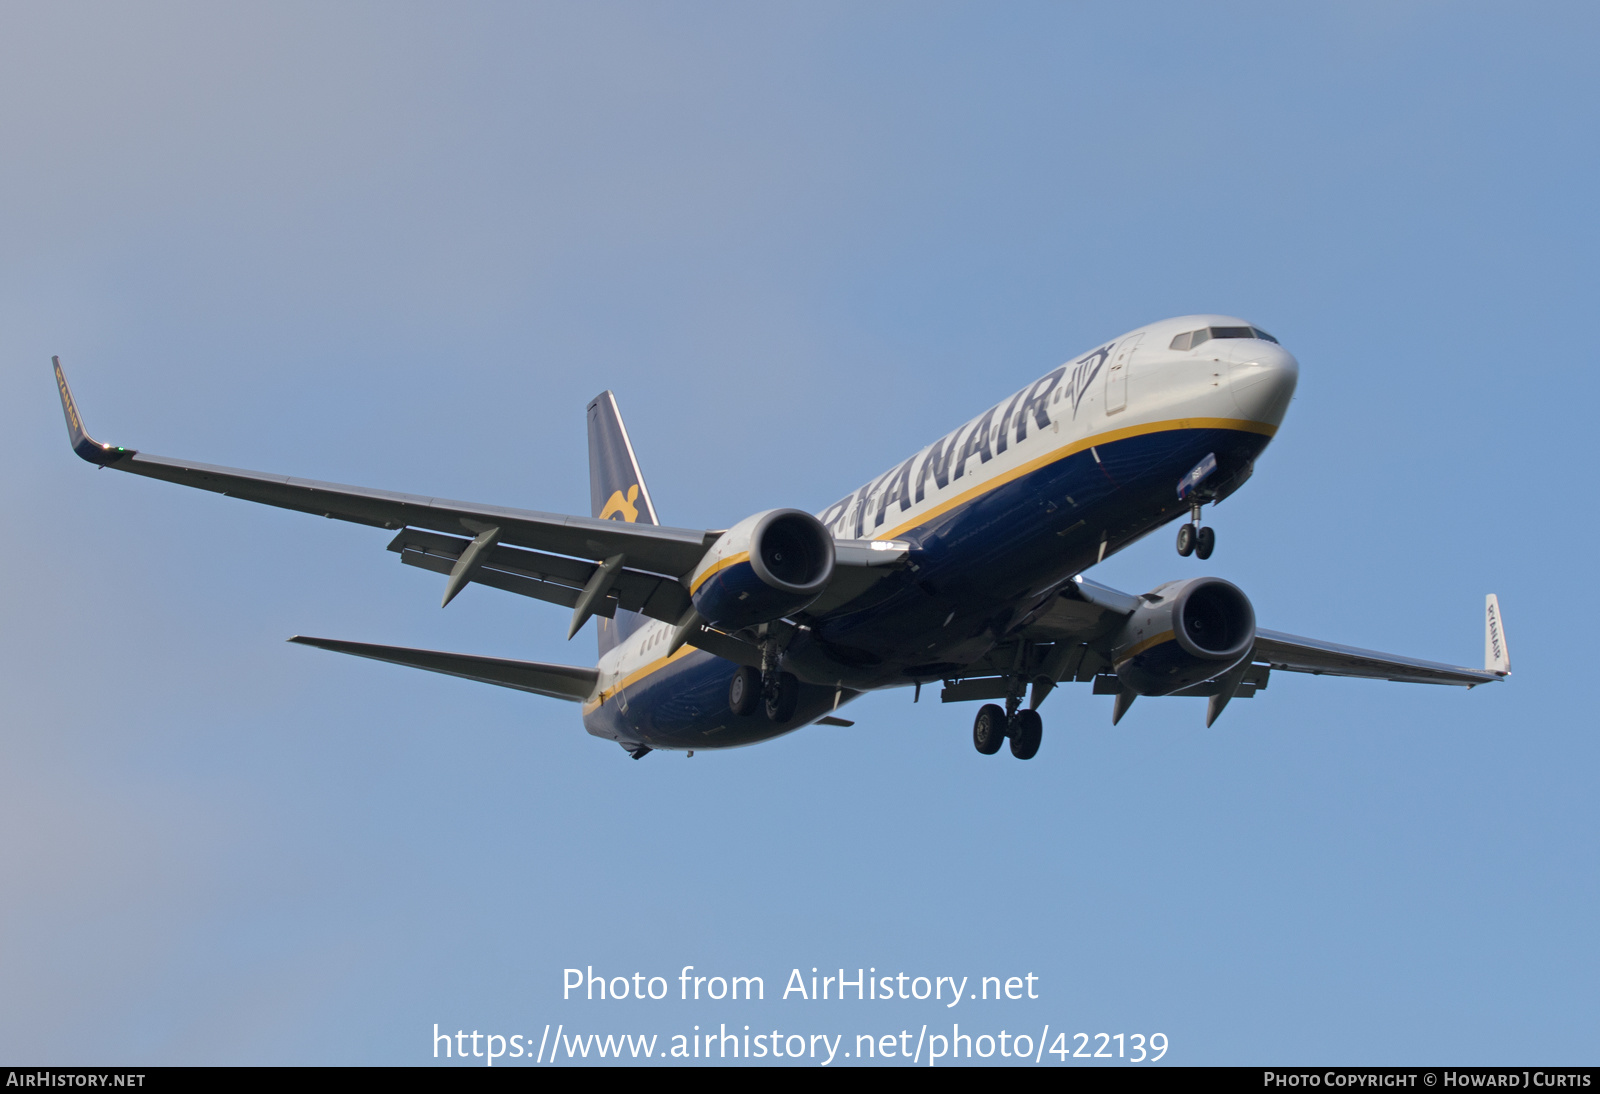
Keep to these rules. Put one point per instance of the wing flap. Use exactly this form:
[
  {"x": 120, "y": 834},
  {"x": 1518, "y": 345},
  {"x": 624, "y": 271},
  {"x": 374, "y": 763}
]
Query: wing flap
[
  {"x": 548, "y": 591},
  {"x": 573, "y": 683},
  {"x": 545, "y": 576}
]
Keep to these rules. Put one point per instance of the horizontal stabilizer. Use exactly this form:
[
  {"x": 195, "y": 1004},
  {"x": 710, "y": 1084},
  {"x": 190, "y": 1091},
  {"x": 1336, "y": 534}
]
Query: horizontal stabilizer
[{"x": 571, "y": 682}]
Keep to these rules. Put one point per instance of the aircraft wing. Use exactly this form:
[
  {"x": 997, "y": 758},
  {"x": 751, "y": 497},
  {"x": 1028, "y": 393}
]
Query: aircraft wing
[
  {"x": 672, "y": 551},
  {"x": 1089, "y": 612},
  {"x": 570, "y": 682},
  {"x": 647, "y": 550},
  {"x": 1291, "y": 653}
]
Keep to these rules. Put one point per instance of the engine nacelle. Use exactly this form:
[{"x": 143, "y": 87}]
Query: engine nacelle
[
  {"x": 763, "y": 568},
  {"x": 1185, "y": 632}
]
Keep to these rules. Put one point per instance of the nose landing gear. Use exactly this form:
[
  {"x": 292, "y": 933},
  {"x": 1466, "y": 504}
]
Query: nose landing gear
[{"x": 1194, "y": 539}]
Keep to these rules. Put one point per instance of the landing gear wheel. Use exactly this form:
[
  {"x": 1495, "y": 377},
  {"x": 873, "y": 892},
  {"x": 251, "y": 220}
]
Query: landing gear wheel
[
  {"x": 1027, "y": 732},
  {"x": 1205, "y": 541},
  {"x": 744, "y": 691},
  {"x": 1186, "y": 540},
  {"x": 989, "y": 729},
  {"x": 784, "y": 698}
]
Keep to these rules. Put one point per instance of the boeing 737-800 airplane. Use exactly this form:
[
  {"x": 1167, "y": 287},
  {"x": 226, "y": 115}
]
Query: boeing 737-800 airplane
[{"x": 962, "y": 565}]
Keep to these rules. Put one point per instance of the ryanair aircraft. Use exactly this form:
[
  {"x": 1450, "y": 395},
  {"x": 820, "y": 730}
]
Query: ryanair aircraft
[{"x": 962, "y": 565}]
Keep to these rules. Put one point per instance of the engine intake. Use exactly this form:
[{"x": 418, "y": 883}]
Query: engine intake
[
  {"x": 765, "y": 567},
  {"x": 1186, "y": 632}
]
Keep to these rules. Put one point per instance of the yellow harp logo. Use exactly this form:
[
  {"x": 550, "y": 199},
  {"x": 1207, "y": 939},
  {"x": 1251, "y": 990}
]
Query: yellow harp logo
[{"x": 622, "y": 506}]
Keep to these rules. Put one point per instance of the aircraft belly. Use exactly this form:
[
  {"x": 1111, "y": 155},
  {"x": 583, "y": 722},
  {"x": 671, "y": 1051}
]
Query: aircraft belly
[
  {"x": 984, "y": 566},
  {"x": 684, "y": 705}
]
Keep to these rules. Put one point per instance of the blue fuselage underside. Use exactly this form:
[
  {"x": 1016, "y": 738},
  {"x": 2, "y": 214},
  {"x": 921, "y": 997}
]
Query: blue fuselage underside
[{"x": 981, "y": 570}]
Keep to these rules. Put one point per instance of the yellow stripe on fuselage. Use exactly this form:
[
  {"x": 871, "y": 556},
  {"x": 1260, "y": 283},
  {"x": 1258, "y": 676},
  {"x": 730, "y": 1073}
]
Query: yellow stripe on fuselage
[
  {"x": 1241, "y": 424},
  {"x": 638, "y": 674}
]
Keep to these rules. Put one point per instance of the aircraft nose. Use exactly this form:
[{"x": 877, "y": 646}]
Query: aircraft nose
[{"x": 1263, "y": 385}]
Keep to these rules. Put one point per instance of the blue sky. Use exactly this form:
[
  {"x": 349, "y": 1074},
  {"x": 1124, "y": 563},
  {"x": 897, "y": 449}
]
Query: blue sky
[{"x": 402, "y": 246}]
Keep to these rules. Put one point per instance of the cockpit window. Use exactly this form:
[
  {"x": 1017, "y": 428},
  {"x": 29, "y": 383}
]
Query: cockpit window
[{"x": 1193, "y": 339}]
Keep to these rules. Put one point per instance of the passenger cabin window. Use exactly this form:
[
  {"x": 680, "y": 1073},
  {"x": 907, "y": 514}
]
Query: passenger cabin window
[{"x": 1194, "y": 339}]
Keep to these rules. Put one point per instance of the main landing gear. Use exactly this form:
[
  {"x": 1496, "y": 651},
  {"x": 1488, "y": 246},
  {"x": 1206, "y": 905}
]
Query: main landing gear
[
  {"x": 992, "y": 726},
  {"x": 1195, "y": 540},
  {"x": 775, "y": 693}
]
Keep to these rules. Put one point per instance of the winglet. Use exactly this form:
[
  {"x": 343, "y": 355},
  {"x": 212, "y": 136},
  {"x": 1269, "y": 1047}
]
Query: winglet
[
  {"x": 1496, "y": 653},
  {"x": 83, "y": 444}
]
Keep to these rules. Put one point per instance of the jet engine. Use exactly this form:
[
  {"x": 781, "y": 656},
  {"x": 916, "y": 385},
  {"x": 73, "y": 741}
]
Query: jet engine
[
  {"x": 1183, "y": 633},
  {"x": 763, "y": 568}
]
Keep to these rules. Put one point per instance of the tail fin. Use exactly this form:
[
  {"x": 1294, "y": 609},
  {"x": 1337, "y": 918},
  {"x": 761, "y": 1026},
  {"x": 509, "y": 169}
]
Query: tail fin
[
  {"x": 616, "y": 485},
  {"x": 1496, "y": 653},
  {"x": 616, "y": 492}
]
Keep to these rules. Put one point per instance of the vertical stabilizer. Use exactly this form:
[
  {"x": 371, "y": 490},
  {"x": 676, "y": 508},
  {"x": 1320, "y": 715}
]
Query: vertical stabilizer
[
  {"x": 616, "y": 485},
  {"x": 1496, "y": 654},
  {"x": 616, "y": 492}
]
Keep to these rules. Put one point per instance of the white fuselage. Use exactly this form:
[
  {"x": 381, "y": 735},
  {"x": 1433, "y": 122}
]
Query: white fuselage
[{"x": 1137, "y": 383}]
